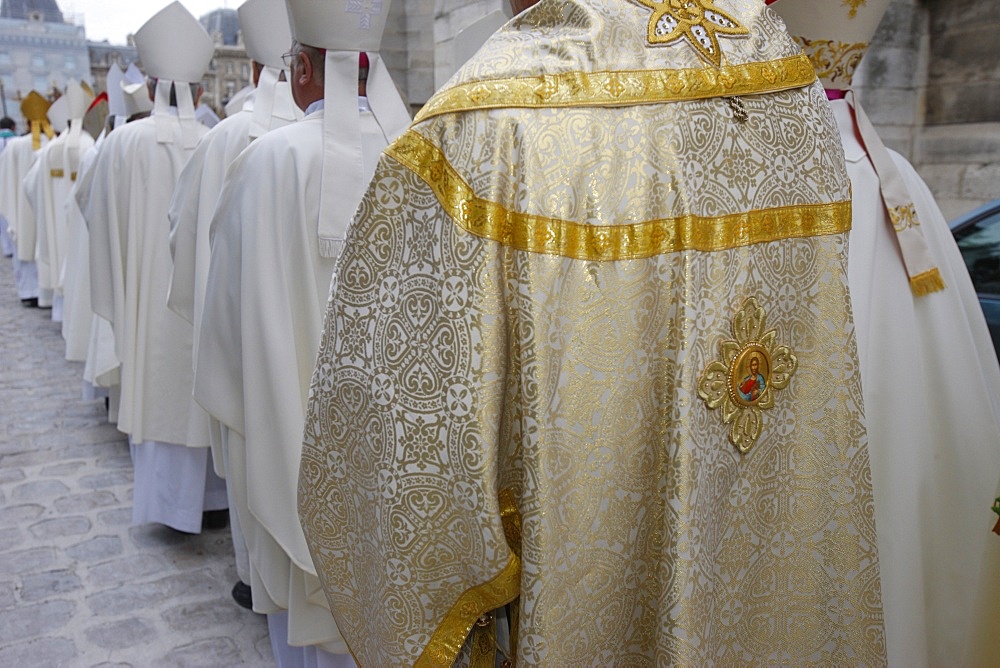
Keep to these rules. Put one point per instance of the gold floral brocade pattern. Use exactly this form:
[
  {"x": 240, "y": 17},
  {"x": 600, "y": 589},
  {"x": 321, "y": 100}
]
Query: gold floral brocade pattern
[{"x": 835, "y": 62}]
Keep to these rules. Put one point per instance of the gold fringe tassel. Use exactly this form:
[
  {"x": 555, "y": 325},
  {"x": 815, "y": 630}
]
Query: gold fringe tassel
[{"x": 927, "y": 282}]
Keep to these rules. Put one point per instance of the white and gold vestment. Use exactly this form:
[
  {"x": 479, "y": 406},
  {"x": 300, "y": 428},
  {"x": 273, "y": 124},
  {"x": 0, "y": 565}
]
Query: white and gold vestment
[{"x": 589, "y": 347}]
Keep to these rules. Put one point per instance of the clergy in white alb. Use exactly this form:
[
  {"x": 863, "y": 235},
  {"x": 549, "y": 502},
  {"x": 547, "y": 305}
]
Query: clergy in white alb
[
  {"x": 929, "y": 370},
  {"x": 126, "y": 211},
  {"x": 266, "y": 35},
  {"x": 15, "y": 162},
  {"x": 275, "y": 239},
  {"x": 7, "y": 127},
  {"x": 47, "y": 186},
  {"x": 75, "y": 275}
]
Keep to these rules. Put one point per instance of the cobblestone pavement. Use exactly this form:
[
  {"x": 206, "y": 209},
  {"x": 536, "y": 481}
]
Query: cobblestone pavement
[{"x": 80, "y": 586}]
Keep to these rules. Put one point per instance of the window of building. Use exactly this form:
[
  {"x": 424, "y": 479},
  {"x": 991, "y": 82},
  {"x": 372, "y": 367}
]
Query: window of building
[
  {"x": 246, "y": 72},
  {"x": 5, "y": 59},
  {"x": 229, "y": 69},
  {"x": 38, "y": 61},
  {"x": 69, "y": 63}
]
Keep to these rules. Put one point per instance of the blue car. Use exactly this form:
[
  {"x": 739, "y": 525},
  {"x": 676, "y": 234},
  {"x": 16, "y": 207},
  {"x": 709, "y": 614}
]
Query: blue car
[{"x": 978, "y": 237}]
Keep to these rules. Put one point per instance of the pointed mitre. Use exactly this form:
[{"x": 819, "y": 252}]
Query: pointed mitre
[
  {"x": 267, "y": 35},
  {"x": 34, "y": 107},
  {"x": 116, "y": 99},
  {"x": 172, "y": 45},
  {"x": 78, "y": 99},
  {"x": 59, "y": 114},
  {"x": 344, "y": 29},
  {"x": 135, "y": 94},
  {"x": 835, "y": 35},
  {"x": 35, "y": 110},
  {"x": 97, "y": 114},
  {"x": 266, "y": 32}
]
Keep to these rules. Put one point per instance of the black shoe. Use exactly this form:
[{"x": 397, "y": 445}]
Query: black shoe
[
  {"x": 213, "y": 520},
  {"x": 242, "y": 595},
  {"x": 30, "y": 302}
]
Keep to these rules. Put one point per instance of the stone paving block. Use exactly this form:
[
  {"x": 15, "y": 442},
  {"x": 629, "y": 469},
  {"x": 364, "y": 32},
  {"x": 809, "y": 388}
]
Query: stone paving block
[
  {"x": 32, "y": 621},
  {"x": 126, "y": 569},
  {"x": 105, "y": 480},
  {"x": 8, "y": 595},
  {"x": 59, "y": 527},
  {"x": 190, "y": 617},
  {"x": 79, "y": 503},
  {"x": 115, "y": 518},
  {"x": 40, "y": 652},
  {"x": 10, "y": 538},
  {"x": 39, "y": 490},
  {"x": 8, "y": 476},
  {"x": 119, "y": 461},
  {"x": 138, "y": 595},
  {"x": 65, "y": 469},
  {"x": 14, "y": 515},
  {"x": 47, "y": 585},
  {"x": 98, "y": 548},
  {"x": 32, "y": 560},
  {"x": 121, "y": 634},
  {"x": 202, "y": 654}
]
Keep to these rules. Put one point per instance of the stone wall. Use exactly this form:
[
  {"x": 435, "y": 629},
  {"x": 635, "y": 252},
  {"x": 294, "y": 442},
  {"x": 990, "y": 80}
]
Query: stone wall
[{"x": 931, "y": 85}]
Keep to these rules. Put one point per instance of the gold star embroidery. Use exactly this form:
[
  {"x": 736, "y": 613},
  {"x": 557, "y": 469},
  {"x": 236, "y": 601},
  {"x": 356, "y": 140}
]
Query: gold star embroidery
[
  {"x": 744, "y": 381},
  {"x": 699, "y": 22}
]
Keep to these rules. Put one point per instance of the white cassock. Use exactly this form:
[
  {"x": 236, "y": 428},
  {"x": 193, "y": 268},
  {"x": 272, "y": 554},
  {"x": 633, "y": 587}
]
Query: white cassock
[
  {"x": 47, "y": 186},
  {"x": 267, "y": 291},
  {"x": 125, "y": 206},
  {"x": 191, "y": 212},
  {"x": 932, "y": 399},
  {"x": 15, "y": 162}
]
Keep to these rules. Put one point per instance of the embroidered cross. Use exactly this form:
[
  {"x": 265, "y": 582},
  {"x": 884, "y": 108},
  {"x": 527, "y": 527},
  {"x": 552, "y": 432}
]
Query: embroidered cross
[
  {"x": 366, "y": 9},
  {"x": 698, "y": 22}
]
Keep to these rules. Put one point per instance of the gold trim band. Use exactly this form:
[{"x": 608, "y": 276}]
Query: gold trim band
[
  {"x": 551, "y": 236},
  {"x": 627, "y": 87}
]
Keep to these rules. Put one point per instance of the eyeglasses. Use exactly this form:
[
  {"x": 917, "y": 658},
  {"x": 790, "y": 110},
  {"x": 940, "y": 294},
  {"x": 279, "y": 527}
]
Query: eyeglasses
[{"x": 289, "y": 57}]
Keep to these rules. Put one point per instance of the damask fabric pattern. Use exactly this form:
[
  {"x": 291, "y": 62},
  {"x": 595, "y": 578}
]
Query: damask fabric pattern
[{"x": 460, "y": 371}]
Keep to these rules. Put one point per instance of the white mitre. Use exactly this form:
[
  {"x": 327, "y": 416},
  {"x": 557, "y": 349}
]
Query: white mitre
[
  {"x": 135, "y": 93},
  {"x": 471, "y": 38},
  {"x": 59, "y": 114},
  {"x": 78, "y": 101},
  {"x": 344, "y": 29},
  {"x": 267, "y": 36},
  {"x": 835, "y": 35},
  {"x": 116, "y": 98},
  {"x": 175, "y": 50}
]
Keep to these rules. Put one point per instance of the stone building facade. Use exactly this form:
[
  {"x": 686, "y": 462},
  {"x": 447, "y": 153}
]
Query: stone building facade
[
  {"x": 931, "y": 82},
  {"x": 39, "y": 50}
]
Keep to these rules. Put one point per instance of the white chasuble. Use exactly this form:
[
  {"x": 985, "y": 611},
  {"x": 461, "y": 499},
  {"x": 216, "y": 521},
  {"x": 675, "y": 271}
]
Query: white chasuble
[
  {"x": 266, "y": 290},
  {"x": 77, "y": 313},
  {"x": 15, "y": 162},
  {"x": 932, "y": 399},
  {"x": 589, "y": 351},
  {"x": 126, "y": 210}
]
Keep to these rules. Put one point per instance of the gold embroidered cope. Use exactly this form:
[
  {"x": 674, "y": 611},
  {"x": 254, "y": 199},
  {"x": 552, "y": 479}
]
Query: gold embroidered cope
[{"x": 506, "y": 401}]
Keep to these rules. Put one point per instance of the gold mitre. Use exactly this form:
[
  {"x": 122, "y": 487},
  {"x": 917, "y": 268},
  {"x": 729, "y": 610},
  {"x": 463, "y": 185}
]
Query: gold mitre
[
  {"x": 834, "y": 33},
  {"x": 34, "y": 107}
]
